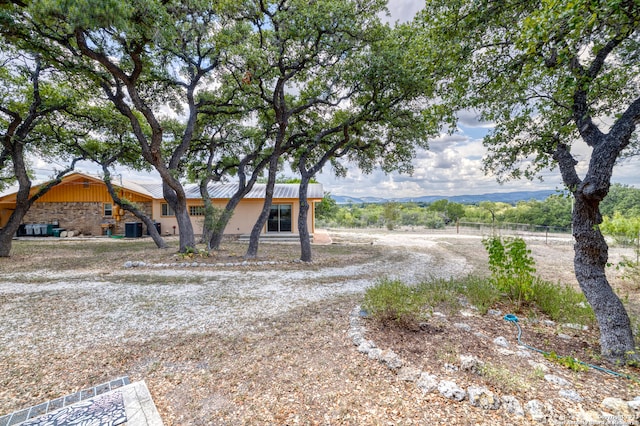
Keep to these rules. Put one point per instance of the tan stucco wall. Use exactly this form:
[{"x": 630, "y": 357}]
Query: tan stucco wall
[{"x": 242, "y": 221}]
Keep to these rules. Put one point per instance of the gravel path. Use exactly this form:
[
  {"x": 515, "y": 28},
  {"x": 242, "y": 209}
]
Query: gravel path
[{"x": 79, "y": 311}]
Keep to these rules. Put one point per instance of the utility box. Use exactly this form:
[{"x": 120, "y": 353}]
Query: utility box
[{"x": 133, "y": 229}]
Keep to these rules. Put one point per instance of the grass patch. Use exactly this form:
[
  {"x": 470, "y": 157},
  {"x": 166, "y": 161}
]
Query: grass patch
[{"x": 393, "y": 301}]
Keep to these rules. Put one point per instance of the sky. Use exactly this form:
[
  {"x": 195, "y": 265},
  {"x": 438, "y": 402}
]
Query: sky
[{"x": 451, "y": 166}]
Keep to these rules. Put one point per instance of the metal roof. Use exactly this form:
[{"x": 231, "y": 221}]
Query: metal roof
[{"x": 223, "y": 191}]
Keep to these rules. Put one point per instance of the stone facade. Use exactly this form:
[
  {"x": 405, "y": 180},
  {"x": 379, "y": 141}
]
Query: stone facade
[{"x": 84, "y": 218}]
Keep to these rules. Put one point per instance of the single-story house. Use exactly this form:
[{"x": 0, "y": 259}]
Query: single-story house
[{"x": 82, "y": 203}]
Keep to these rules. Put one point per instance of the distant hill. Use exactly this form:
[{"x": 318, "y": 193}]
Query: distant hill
[{"x": 502, "y": 197}]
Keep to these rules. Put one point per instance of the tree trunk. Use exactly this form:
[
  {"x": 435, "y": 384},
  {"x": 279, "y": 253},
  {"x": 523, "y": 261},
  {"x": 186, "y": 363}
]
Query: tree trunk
[
  {"x": 6, "y": 234},
  {"x": 178, "y": 203},
  {"x": 151, "y": 227},
  {"x": 218, "y": 230},
  {"x": 590, "y": 260},
  {"x": 254, "y": 239},
  {"x": 305, "y": 240}
]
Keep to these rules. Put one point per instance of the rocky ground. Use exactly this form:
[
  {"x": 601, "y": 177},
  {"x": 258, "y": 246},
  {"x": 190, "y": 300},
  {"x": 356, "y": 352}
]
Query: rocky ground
[{"x": 228, "y": 342}]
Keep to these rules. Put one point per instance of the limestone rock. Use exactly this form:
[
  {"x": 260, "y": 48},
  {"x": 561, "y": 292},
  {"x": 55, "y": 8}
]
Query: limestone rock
[
  {"x": 556, "y": 380},
  {"x": 483, "y": 398},
  {"x": 535, "y": 409},
  {"x": 374, "y": 353},
  {"x": 570, "y": 394},
  {"x": 427, "y": 382},
  {"x": 470, "y": 363},
  {"x": 409, "y": 374},
  {"x": 451, "y": 390},
  {"x": 501, "y": 341},
  {"x": 512, "y": 405},
  {"x": 617, "y": 406},
  {"x": 391, "y": 359}
]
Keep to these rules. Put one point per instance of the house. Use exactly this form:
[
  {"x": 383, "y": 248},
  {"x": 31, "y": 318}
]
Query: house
[{"x": 82, "y": 203}]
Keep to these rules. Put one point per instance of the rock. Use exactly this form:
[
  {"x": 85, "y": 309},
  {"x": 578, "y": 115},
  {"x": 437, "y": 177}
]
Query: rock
[
  {"x": 409, "y": 374},
  {"x": 71, "y": 233},
  {"x": 483, "y": 398},
  {"x": 450, "y": 367},
  {"x": 557, "y": 380},
  {"x": 587, "y": 417},
  {"x": 523, "y": 353},
  {"x": 535, "y": 409},
  {"x": 634, "y": 406},
  {"x": 128, "y": 264},
  {"x": 576, "y": 326},
  {"x": 391, "y": 359},
  {"x": 462, "y": 326},
  {"x": 63, "y": 234},
  {"x": 496, "y": 312},
  {"x": 564, "y": 336},
  {"x": 375, "y": 353},
  {"x": 427, "y": 382},
  {"x": 512, "y": 405},
  {"x": 570, "y": 394},
  {"x": 549, "y": 323},
  {"x": 366, "y": 346},
  {"x": 618, "y": 407},
  {"x": 501, "y": 341},
  {"x": 470, "y": 363},
  {"x": 451, "y": 390}
]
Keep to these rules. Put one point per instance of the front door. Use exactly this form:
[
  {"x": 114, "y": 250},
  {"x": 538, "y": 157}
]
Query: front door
[{"x": 280, "y": 218}]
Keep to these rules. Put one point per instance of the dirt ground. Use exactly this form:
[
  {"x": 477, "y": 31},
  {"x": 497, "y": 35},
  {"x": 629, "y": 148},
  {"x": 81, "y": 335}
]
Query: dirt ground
[{"x": 224, "y": 342}]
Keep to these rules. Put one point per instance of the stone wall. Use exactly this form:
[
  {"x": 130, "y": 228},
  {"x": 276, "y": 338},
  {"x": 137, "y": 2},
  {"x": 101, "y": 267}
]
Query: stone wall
[{"x": 84, "y": 218}]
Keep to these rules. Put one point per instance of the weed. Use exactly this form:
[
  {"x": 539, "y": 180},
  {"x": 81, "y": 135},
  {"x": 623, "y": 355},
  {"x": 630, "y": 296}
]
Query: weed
[
  {"x": 562, "y": 303},
  {"x": 567, "y": 361},
  {"x": 503, "y": 378}
]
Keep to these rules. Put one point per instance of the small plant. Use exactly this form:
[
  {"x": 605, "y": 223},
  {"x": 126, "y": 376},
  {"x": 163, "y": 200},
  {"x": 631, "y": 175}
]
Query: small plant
[
  {"x": 568, "y": 361},
  {"x": 192, "y": 253},
  {"x": 394, "y": 301},
  {"x": 512, "y": 267},
  {"x": 503, "y": 378},
  {"x": 479, "y": 291}
]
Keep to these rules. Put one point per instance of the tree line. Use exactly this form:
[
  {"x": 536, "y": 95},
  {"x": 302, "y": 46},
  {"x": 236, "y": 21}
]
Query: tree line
[
  {"x": 620, "y": 209},
  {"x": 213, "y": 91}
]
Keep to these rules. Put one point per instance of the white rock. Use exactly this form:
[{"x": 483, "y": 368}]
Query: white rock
[
  {"x": 366, "y": 346},
  {"x": 427, "y": 382},
  {"x": 451, "y": 390},
  {"x": 462, "y": 326},
  {"x": 470, "y": 363},
  {"x": 539, "y": 366},
  {"x": 391, "y": 359},
  {"x": 375, "y": 353},
  {"x": 483, "y": 398},
  {"x": 409, "y": 374},
  {"x": 512, "y": 405},
  {"x": 617, "y": 406},
  {"x": 536, "y": 410},
  {"x": 570, "y": 394},
  {"x": 501, "y": 341},
  {"x": 556, "y": 380}
]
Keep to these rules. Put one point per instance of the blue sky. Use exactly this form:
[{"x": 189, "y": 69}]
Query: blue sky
[{"x": 451, "y": 166}]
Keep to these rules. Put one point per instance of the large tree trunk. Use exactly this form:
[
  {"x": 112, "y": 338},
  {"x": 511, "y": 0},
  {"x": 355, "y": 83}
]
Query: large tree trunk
[
  {"x": 254, "y": 239},
  {"x": 178, "y": 203},
  {"x": 7, "y": 233},
  {"x": 151, "y": 226},
  {"x": 591, "y": 255},
  {"x": 305, "y": 240},
  {"x": 218, "y": 230}
]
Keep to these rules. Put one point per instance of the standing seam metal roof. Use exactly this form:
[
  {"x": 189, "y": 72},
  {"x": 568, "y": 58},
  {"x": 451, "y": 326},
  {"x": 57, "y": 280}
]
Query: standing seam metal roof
[{"x": 226, "y": 190}]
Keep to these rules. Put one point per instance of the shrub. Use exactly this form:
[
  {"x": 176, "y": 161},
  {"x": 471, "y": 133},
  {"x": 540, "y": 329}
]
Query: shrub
[
  {"x": 511, "y": 267},
  {"x": 394, "y": 301},
  {"x": 562, "y": 302}
]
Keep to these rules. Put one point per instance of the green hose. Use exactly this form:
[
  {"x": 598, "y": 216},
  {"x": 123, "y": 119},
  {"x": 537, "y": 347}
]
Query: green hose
[{"x": 514, "y": 319}]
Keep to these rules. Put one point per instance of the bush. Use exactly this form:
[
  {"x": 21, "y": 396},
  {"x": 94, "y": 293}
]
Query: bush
[
  {"x": 394, "y": 301},
  {"x": 511, "y": 267}
]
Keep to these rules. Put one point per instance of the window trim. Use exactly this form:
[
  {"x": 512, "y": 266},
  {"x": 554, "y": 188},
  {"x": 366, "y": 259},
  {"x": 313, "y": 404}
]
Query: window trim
[
  {"x": 166, "y": 210},
  {"x": 110, "y": 209}
]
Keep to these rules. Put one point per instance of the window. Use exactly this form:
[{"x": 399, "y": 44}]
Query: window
[
  {"x": 167, "y": 210},
  {"x": 108, "y": 209},
  {"x": 196, "y": 210},
  {"x": 280, "y": 218}
]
